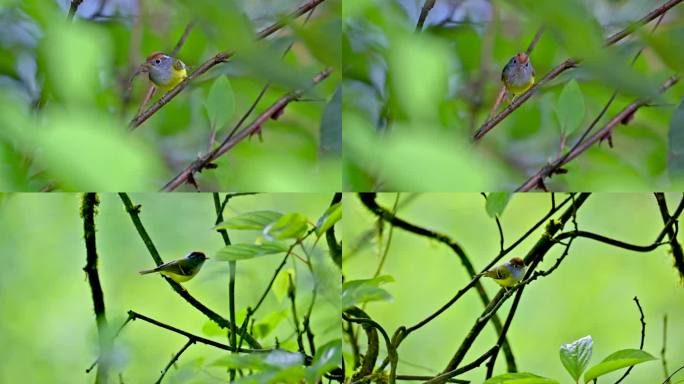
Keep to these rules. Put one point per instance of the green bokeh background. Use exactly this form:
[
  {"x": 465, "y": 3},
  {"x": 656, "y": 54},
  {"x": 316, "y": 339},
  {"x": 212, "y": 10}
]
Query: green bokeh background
[
  {"x": 589, "y": 294},
  {"x": 47, "y": 323},
  {"x": 62, "y": 86},
  {"x": 415, "y": 99}
]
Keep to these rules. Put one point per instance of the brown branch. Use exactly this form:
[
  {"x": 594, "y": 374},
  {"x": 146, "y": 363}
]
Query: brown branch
[
  {"x": 548, "y": 170},
  {"x": 73, "y": 8},
  {"x": 216, "y": 59},
  {"x": 187, "y": 175},
  {"x": 614, "y": 38},
  {"x": 568, "y": 63},
  {"x": 427, "y": 7},
  {"x": 88, "y": 211}
]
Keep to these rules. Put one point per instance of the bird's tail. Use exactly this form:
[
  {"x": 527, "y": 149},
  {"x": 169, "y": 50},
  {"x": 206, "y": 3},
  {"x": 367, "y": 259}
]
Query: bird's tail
[{"x": 146, "y": 271}]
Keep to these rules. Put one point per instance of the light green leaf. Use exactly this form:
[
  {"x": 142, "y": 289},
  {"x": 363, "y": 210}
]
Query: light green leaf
[
  {"x": 236, "y": 252},
  {"x": 331, "y": 126},
  {"x": 675, "y": 143},
  {"x": 282, "y": 283},
  {"x": 289, "y": 226},
  {"x": 362, "y": 291},
  {"x": 575, "y": 356},
  {"x": 520, "y": 378},
  {"x": 250, "y": 220},
  {"x": 327, "y": 358},
  {"x": 496, "y": 203},
  {"x": 331, "y": 216},
  {"x": 620, "y": 359},
  {"x": 570, "y": 107},
  {"x": 220, "y": 103},
  {"x": 268, "y": 323}
]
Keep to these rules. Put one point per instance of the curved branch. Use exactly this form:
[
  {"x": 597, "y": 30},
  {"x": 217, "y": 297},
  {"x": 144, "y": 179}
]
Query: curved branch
[
  {"x": 643, "y": 336},
  {"x": 676, "y": 248},
  {"x": 216, "y": 59},
  {"x": 205, "y": 161}
]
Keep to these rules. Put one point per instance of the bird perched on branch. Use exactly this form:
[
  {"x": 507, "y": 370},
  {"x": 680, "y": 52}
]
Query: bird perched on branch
[
  {"x": 180, "y": 270},
  {"x": 507, "y": 274},
  {"x": 165, "y": 71},
  {"x": 518, "y": 74}
]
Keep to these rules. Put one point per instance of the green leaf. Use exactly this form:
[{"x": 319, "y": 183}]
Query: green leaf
[
  {"x": 617, "y": 360},
  {"x": 220, "y": 103},
  {"x": 250, "y": 220},
  {"x": 236, "y": 252},
  {"x": 331, "y": 216},
  {"x": 289, "y": 226},
  {"x": 520, "y": 378},
  {"x": 328, "y": 357},
  {"x": 362, "y": 291},
  {"x": 496, "y": 203},
  {"x": 210, "y": 328},
  {"x": 668, "y": 43},
  {"x": 282, "y": 283},
  {"x": 268, "y": 323},
  {"x": 570, "y": 108},
  {"x": 675, "y": 143},
  {"x": 331, "y": 126},
  {"x": 575, "y": 356}
]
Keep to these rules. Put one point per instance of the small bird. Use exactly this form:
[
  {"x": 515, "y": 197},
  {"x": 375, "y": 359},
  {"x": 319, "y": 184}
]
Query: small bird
[
  {"x": 180, "y": 270},
  {"x": 507, "y": 274},
  {"x": 165, "y": 71},
  {"x": 518, "y": 74}
]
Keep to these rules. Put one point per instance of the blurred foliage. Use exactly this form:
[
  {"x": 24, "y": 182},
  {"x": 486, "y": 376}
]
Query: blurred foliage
[
  {"x": 413, "y": 100},
  {"x": 47, "y": 313},
  {"x": 591, "y": 292},
  {"x": 65, "y": 114}
]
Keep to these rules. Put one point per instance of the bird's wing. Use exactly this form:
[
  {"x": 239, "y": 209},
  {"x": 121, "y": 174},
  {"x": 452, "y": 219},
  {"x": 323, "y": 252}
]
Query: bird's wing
[
  {"x": 498, "y": 273},
  {"x": 178, "y": 65},
  {"x": 178, "y": 267}
]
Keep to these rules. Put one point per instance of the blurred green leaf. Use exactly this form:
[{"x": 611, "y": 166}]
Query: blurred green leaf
[
  {"x": 210, "y": 328},
  {"x": 256, "y": 220},
  {"x": 520, "y": 378},
  {"x": 620, "y": 359},
  {"x": 282, "y": 283},
  {"x": 570, "y": 107},
  {"x": 331, "y": 216},
  {"x": 675, "y": 143},
  {"x": 668, "y": 43},
  {"x": 327, "y": 358},
  {"x": 322, "y": 36},
  {"x": 496, "y": 203},
  {"x": 288, "y": 226},
  {"x": 356, "y": 292},
  {"x": 268, "y": 323},
  {"x": 331, "y": 126},
  {"x": 220, "y": 103},
  {"x": 236, "y": 252},
  {"x": 576, "y": 355}
]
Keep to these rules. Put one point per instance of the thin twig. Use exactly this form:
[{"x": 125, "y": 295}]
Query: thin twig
[
  {"x": 675, "y": 246},
  {"x": 73, "y": 8},
  {"x": 427, "y": 7},
  {"x": 174, "y": 359},
  {"x": 220, "y": 57},
  {"x": 204, "y": 161},
  {"x": 662, "y": 351},
  {"x": 614, "y": 38},
  {"x": 643, "y": 337},
  {"x": 184, "y": 36}
]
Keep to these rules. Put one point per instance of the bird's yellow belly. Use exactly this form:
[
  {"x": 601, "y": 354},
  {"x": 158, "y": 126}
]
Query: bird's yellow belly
[{"x": 176, "y": 277}]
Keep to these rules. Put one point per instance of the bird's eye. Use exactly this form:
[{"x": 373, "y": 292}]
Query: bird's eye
[{"x": 158, "y": 61}]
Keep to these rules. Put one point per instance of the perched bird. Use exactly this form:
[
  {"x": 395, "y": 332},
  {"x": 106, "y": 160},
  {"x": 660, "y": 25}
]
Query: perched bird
[
  {"x": 165, "y": 71},
  {"x": 518, "y": 74},
  {"x": 180, "y": 270},
  {"x": 507, "y": 274}
]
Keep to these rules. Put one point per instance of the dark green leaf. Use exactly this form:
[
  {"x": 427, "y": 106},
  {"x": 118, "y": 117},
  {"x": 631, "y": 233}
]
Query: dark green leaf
[
  {"x": 362, "y": 291},
  {"x": 570, "y": 107},
  {"x": 289, "y": 226},
  {"x": 331, "y": 216},
  {"x": 236, "y": 252},
  {"x": 575, "y": 356},
  {"x": 220, "y": 103},
  {"x": 250, "y": 220},
  {"x": 496, "y": 203},
  {"x": 331, "y": 126},
  {"x": 327, "y": 358},
  {"x": 620, "y": 359},
  {"x": 675, "y": 143}
]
